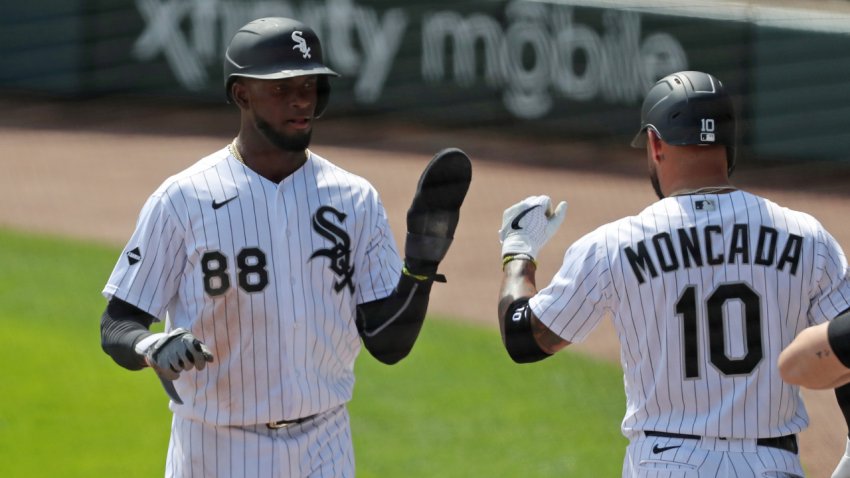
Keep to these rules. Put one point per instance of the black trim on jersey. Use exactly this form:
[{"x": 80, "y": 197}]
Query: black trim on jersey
[
  {"x": 519, "y": 338},
  {"x": 121, "y": 327},
  {"x": 390, "y": 326},
  {"x": 838, "y": 333}
]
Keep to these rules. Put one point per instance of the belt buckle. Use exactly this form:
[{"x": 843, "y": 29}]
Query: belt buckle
[
  {"x": 288, "y": 423},
  {"x": 279, "y": 425}
]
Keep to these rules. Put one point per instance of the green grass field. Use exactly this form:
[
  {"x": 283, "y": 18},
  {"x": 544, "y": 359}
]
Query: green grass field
[{"x": 456, "y": 407}]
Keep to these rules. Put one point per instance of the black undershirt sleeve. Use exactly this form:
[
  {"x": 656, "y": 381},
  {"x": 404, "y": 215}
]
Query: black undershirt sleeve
[
  {"x": 838, "y": 333},
  {"x": 122, "y": 325},
  {"x": 389, "y": 326},
  {"x": 842, "y": 396},
  {"x": 518, "y": 335}
]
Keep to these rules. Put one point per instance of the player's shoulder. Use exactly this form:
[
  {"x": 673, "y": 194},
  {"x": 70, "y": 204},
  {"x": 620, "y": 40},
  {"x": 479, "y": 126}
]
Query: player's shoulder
[
  {"x": 183, "y": 178},
  {"x": 783, "y": 214},
  {"x": 631, "y": 228},
  {"x": 332, "y": 173}
]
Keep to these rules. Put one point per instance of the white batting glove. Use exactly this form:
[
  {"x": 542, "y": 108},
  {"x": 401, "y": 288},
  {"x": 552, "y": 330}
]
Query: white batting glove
[
  {"x": 843, "y": 468},
  {"x": 175, "y": 352},
  {"x": 529, "y": 224}
]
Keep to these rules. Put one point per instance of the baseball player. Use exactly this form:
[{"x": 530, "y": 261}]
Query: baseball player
[
  {"x": 819, "y": 358},
  {"x": 270, "y": 265},
  {"x": 705, "y": 288}
]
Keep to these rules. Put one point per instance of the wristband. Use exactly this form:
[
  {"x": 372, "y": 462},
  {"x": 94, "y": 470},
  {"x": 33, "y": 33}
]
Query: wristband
[
  {"x": 422, "y": 278},
  {"x": 513, "y": 257}
]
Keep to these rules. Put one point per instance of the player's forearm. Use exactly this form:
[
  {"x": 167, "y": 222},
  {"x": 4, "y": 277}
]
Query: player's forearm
[
  {"x": 810, "y": 361},
  {"x": 518, "y": 286},
  {"x": 518, "y": 282},
  {"x": 121, "y": 327},
  {"x": 389, "y": 327}
]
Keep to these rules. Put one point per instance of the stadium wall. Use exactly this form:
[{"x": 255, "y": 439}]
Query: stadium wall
[{"x": 573, "y": 69}]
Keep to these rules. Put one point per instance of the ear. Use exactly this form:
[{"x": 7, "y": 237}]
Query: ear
[
  {"x": 239, "y": 93},
  {"x": 654, "y": 146}
]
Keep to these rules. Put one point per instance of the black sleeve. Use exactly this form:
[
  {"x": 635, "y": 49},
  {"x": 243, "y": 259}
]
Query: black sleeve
[
  {"x": 842, "y": 396},
  {"x": 121, "y": 327},
  {"x": 518, "y": 335},
  {"x": 389, "y": 327},
  {"x": 838, "y": 334}
]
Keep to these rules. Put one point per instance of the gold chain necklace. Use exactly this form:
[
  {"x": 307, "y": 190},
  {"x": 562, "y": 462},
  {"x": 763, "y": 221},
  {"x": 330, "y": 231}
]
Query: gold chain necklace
[{"x": 235, "y": 152}]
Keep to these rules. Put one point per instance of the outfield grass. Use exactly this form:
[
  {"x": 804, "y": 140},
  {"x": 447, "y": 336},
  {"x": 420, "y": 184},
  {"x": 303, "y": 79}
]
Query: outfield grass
[{"x": 457, "y": 407}]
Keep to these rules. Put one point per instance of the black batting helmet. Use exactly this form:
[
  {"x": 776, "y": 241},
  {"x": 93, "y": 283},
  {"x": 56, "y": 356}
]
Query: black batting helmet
[
  {"x": 689, "y": 108},
  {"x": 274, "y": 48}
]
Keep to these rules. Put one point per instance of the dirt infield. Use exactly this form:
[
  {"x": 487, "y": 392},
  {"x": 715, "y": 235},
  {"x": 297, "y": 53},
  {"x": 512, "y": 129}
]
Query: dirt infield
[{"x": 85, "y": 173}]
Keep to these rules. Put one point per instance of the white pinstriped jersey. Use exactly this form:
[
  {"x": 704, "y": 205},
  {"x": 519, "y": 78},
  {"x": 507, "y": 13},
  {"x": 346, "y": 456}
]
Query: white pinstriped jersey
[
  {"x": 268, "y": 276},
  {"x": 705, "y": 291}
]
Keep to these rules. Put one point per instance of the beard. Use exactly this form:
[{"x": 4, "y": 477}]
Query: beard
[
  {"x": 289, "y": 143},
  {"x": 653, "y": 178}
]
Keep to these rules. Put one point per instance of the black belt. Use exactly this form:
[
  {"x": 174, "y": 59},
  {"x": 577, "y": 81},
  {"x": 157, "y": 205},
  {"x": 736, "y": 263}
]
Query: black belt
[
  {"x": 787, "y": 442},
  {"x": 288, "y": 423}
]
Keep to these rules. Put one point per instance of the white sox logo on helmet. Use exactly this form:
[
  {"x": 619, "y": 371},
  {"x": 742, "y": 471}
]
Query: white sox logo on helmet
[{"x": 300, "y": 44}]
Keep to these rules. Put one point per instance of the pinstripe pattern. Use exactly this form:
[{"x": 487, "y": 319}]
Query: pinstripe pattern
[
  {"x": 692, "y": 373},
  {"x": 318, "y": 448},
  {"x": 707, "y": 458},
  {"x": 248, "y": 278}
]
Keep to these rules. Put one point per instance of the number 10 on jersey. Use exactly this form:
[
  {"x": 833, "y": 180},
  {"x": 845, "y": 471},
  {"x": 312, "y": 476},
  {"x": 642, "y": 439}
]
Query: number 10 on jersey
[{"x": 687, "y": 308}]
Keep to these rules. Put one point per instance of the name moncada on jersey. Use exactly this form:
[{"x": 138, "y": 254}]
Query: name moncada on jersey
[{"x": 697, "y": 248}]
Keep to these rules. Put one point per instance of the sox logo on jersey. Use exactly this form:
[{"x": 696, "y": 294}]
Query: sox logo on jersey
[{"x": 340, "y": 253}]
